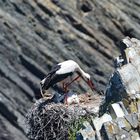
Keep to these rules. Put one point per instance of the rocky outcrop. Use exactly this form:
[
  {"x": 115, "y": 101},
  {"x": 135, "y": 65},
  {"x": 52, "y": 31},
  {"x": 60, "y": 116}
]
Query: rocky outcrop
[
  {"x": 121, "y": 108},
  {"x": 36, "y": 34},
  {"x": 116, "y": 118}
]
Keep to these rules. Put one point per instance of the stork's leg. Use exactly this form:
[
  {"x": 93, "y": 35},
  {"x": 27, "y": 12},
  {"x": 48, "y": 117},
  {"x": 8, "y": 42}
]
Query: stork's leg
[
  {"x": 68, "y": 84},
  {"x": 66, "y": 99},
  {"x": 63, "y": 85},
  {"x": 66, "y": 88}
]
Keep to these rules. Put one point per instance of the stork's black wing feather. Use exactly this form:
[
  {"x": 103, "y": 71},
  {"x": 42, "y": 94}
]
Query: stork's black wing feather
[
  {"x": 54, "y": 69},
  {"x": 50, "y": 76}
]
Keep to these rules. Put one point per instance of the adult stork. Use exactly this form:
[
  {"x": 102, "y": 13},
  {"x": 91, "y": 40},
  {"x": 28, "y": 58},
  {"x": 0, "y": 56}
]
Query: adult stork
[{"x": 61, "y": 71}]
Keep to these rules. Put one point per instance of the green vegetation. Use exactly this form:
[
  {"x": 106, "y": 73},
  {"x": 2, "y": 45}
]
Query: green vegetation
[{"x": 76, "y": 126}]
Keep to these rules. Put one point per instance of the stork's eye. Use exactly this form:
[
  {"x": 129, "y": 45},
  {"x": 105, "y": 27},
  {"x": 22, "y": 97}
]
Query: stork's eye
[{"x": 88, "y": 79}]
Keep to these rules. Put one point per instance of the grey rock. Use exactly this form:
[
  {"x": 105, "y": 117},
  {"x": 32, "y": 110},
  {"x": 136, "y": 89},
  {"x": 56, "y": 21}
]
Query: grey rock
[
  {"x": 134, "y": 135},
  {"x": 109, "y": 130},
  {"x": 98, "y": 122},
  {"x": 132, "y": 119},
  {"x": 124, "y": 82},
  {"x": 138, "y": 102},
  {"x": 116, "y": 111},
  {"x": 138, "y": 117},
  {"x": 123, "y": 124},
  {"x": 123, "y": 135},
  {"x": 86, "y": 132},
  {"x": 123, "y": 108},
  {"x": 35, "y": 35}
]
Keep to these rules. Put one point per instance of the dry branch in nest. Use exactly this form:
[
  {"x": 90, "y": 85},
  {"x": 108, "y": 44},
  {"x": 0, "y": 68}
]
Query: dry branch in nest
[{"x": 50, "y": 121}]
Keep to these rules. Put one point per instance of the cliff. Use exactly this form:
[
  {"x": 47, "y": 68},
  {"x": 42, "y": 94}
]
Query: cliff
[
  {"x": 116, "y": 117},
  {"x": 34, "y": 35}
]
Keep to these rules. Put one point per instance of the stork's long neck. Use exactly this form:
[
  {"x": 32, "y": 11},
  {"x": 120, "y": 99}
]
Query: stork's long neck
[{"x": 82, "y": 73}]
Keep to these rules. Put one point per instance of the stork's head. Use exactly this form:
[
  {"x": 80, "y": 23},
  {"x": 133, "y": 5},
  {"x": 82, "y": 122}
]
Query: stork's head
[{"x": 87, "y": 79}]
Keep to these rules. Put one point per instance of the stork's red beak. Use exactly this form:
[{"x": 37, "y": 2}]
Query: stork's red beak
[{"x": 91, "y": 85}]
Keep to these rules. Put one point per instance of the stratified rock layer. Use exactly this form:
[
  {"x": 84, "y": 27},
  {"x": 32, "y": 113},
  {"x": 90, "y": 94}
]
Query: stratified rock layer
[
  {"x": 121, "y": 108},
  {"x": 36, "y": 34}
]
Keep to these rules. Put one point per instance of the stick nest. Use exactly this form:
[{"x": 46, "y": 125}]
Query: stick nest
[{"x": 50, "y": 121}]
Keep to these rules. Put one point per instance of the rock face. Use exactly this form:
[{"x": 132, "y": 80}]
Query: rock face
[
  {"x": 123, "y": 118},
  {"x": 35, "y": 34},
  {"x": 120, "y": 110}
]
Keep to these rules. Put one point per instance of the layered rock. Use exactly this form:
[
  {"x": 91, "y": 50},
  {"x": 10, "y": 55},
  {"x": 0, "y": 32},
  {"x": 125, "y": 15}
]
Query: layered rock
[
  {"x": 119, "y": 114},
  {"x": 36, "y": 34},
  {"x": 121, "y": 108}
]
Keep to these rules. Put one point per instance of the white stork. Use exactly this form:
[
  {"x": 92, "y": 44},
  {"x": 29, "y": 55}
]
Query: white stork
[{"x": 61, "y": 71}]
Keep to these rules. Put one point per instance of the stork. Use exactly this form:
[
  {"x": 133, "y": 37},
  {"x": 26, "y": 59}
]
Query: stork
[{"x": 61, "y": 71}]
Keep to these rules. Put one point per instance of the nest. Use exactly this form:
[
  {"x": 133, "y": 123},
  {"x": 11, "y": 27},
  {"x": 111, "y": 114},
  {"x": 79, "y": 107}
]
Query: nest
[{"x": 50, "y": 121}]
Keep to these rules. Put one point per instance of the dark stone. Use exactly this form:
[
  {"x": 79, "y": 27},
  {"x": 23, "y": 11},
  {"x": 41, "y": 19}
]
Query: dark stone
[
  {"x": 109, "y": 130},
  {"x": 86, "y": 7}
]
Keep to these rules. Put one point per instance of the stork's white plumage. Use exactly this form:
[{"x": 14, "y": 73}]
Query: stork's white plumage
[
  {"x": 67, "y": 67},
  {"x": 61, "y": 71}
]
